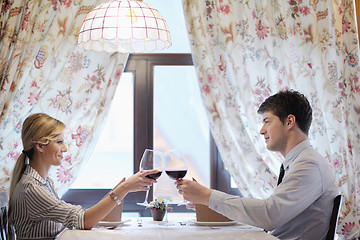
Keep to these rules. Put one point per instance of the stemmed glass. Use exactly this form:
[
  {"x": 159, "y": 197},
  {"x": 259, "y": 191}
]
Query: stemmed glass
[
  {"x": 151, "y": 159},
  {"x": 175, "y": 166}
]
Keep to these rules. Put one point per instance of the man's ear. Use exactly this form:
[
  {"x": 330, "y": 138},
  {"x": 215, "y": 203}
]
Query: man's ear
[
  {"x": 290, "y": 121},
  {"x": 39, "y": 147}
]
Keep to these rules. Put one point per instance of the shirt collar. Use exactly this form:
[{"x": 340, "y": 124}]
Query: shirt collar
[
  {"x": 295, "y": 151},
  {"x": 33, "y": 173}
]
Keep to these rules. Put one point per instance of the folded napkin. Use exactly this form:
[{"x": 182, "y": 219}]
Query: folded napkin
[
  {"x": 205, "y": 214},
  {"x": 115, "y": 214}
]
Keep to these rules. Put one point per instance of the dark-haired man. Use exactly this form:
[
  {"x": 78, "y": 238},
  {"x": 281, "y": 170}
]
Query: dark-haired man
[{"x": 301, "y": 205}]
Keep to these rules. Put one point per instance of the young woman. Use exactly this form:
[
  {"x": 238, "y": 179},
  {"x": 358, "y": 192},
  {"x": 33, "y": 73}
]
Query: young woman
[{"x": 35, "y": 210}]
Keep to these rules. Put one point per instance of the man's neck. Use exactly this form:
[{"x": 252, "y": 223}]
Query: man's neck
[{"x": 293, "y": 141}]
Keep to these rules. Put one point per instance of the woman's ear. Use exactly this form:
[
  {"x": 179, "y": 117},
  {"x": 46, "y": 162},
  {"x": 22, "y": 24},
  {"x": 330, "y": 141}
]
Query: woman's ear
[{"x": 39, "y": 147}]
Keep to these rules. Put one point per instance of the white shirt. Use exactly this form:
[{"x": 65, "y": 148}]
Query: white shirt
[
  {"x": 299, "y": 208},
  {"x": 37, "y": 212}
]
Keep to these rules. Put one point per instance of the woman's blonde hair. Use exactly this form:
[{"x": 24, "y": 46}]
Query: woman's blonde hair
[{"x": 37, "y": 128}]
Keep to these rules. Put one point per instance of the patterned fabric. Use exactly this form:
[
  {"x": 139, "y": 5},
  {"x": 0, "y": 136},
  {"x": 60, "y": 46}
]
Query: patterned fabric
[
  {"x": 42, "y": 70},
  {"x": 38, "y": 213},
  {"x": 245, "y": 51}
]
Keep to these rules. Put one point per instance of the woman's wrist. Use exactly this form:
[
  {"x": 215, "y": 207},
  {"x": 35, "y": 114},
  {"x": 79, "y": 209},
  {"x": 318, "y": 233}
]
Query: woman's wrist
[
  {"x": 115, "y": 197},
  {"x": 120, "y": 190}
]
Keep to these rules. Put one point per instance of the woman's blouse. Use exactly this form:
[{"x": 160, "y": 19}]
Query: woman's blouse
[{"x": 37, "y": 212}]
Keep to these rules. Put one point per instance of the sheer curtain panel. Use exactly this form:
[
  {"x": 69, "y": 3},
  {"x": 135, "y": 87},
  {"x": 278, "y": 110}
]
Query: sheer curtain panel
[
  {"x": 245, "y": 51},
  {"x": 42, "y": 70}
]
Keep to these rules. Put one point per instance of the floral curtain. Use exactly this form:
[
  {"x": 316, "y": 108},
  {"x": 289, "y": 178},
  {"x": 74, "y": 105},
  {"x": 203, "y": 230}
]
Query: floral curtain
[
  {"x": 42, "y": 70},
  {"x": 245, "y": 51},
  {"x": 357, "y": 6}
]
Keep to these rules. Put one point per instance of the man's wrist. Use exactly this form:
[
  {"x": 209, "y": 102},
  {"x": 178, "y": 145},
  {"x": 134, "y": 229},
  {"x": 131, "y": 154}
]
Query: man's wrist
[{"x": 208, "y": 195}]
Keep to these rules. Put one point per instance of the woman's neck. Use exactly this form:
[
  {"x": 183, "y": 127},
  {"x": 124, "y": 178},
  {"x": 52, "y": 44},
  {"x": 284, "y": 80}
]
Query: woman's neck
[{"x": 41, "y": 168}]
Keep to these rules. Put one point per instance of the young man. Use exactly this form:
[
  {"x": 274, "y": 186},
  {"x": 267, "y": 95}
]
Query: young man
[{"x": 301, "y": 205}]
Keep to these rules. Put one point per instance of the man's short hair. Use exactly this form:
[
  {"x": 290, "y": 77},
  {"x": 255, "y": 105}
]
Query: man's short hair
[{"x": 284, "y": 103}]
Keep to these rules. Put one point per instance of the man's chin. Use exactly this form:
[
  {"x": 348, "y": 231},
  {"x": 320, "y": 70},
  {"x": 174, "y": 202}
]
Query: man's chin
[{"x": 269, "y": 147}]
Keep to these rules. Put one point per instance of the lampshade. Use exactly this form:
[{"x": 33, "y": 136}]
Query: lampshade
[{"x": 124, "y": 26}]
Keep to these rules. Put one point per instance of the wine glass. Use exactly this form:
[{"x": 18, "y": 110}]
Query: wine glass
[
  {"x": 151, "y": 159},
  {"x": 166, "y": 222},
  {"x": 175, "y": 166}
]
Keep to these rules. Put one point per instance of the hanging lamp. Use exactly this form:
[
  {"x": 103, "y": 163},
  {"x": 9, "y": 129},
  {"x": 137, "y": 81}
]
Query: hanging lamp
[{"x": 124, "y": 26}]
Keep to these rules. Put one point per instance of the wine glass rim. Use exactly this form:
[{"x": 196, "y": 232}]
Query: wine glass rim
[{"x": 152, "y": 150}]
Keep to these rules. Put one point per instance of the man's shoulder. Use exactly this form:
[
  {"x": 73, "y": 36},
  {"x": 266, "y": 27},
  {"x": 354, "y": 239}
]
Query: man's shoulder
[
  {"x": 314, "y": 160},
  {"x": 310, "y": 155}
]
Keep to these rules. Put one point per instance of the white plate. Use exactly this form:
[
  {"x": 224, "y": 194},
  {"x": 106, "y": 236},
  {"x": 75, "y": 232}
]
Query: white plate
[
  {"x": 215, "y": 223},
  {"x": 111, "y": 224}
]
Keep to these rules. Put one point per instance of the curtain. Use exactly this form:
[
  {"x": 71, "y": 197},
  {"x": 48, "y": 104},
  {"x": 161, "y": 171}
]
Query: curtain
[
  {"x": 245, "y": 51},
  {"x": 357, "y": 6},
  {"x": 42, "y": 70}
]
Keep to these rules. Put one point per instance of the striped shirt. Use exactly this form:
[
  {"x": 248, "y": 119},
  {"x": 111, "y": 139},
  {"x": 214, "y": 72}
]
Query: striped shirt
[{"x": 37, "y": 212}]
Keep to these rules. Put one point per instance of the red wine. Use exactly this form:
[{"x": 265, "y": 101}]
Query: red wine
[
  {"x": 154, "y": 175},
  {"x": 176, "y": 174}
]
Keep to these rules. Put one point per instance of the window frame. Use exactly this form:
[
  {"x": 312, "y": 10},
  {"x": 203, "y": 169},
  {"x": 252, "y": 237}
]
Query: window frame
[{"x": 142, "y": 68}]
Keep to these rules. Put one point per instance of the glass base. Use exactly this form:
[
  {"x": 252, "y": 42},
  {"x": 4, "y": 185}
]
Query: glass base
[
  {"x": 184, "y": 203},
  {"x": 145, "y": 204},
  {"x": 166, "y": 224}
]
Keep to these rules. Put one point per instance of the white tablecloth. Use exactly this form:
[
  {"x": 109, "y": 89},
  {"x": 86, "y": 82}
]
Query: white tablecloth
[{"x": 153, "y": 230}]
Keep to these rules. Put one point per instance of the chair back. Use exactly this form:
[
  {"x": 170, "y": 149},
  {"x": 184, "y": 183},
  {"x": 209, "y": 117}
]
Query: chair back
[
  {"x": 3, "y": 223},
  {"x": 334, "y": 217}
]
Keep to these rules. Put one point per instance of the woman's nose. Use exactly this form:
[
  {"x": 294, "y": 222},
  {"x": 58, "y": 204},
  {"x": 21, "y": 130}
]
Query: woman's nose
[{"x": 64, "y": 149}]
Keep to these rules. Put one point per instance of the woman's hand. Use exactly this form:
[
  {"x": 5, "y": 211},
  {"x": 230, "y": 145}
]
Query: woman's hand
[
  {"x": 193, "y": 191},
  {"x": 139, "y": 181}
]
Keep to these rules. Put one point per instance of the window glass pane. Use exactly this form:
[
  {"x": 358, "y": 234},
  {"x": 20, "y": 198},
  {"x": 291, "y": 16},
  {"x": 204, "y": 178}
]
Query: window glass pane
[
  {"x": 173, "y": 13},
  {"x": 112, "y": 158},
  {"x": 233, "y": 184},
  {"x": 180, "y": 121}
]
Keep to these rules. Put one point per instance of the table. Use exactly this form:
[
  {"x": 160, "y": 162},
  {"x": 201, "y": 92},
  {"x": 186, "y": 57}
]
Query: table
[{"x": 185, "y": 230}]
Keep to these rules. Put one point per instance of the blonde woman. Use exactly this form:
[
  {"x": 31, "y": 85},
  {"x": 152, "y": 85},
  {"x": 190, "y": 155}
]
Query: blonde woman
[{"x": 35, "y": 210}]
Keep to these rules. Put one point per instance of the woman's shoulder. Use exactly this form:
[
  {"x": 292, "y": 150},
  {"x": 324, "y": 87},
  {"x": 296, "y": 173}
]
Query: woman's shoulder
[
  {"x": 30, "y": 181},
  {"x": 32, "y": 176}
]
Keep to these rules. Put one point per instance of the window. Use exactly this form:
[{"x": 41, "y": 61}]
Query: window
[
  {"x": 114, "y": 149},
  {"x": 150, "y": 75},
  {"x": 158, "y": 77},
  {"x": 146, "y": 88},
  {"x": 180, "y": 122}
]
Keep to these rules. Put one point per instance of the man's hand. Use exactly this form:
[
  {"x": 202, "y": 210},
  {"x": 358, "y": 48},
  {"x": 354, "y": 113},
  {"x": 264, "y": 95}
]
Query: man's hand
[{"x": 193, "y": 191}]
